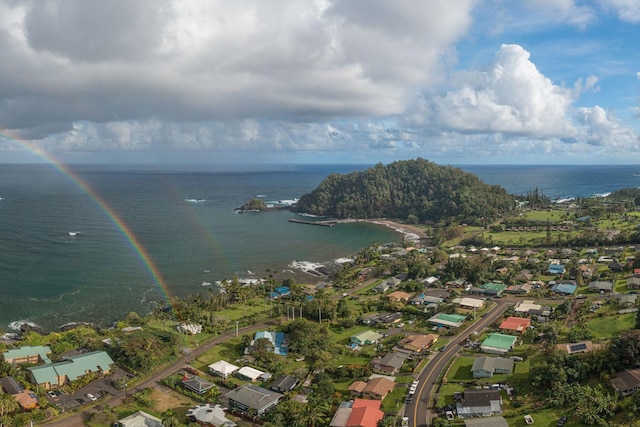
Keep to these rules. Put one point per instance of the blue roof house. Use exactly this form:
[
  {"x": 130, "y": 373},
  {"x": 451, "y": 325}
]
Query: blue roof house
[
  {"x": 277, "y": 340},
  {"x": 556, "y": 269},
  {"x": 564, "y": 288}
]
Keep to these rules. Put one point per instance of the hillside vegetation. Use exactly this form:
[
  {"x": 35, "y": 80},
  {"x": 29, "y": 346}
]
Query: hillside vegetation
[{"x": 413, "y": 190}]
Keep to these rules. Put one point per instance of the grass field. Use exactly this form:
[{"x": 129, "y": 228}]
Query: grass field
[{"x": 611, "y": 326}]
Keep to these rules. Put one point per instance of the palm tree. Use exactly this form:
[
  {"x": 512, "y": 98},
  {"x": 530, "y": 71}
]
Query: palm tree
[
  {"x": 169, "y": 419},
  {"x": 315, "y": 414},
  {"x": 8, "y": 404}
]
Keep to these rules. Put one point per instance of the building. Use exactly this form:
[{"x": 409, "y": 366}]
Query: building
[
  {"x": 248, "y": 373},
  {"x": 626, "y": 382},
  {"x": 25, "y": 398},
  {"x": 479, "y": 403},
  {"x": 284, "y": 383},
  {"x": 604, "y": 287},
  {"x": 359, "y": 413},
  {"x": 486, "y": 367},
  {"x": 58, "y": 374},
  {"x": 416, "y": 344},
  {"x": 278, "y": 340},
  {"x": 390, "y": 364},
  {"x": 375, "y": 388},
  {"x": 366, "y": 337},
  {"x": 469, "y": 303},
  {"x": 27, "y": 355},
  {"x": 249, "y": 397},
  {"x": 450, "y": 320},
  {"x": 578, "y": 347},
  {"x": 422, "y": 299},
  {"x": 564, "y": 288},
  {"x": 196, "y": 383},
  {"x": 223, "y": 368},
  {"x": 517, "y": 324},
  {"x": 140, "y": 419},
  {"x": 498, "y": 343},
  {"x": 486, "y": 422},
  {"x": 399, "y": 296},
  {"x": 209, "y": 415},
  {"x": 382, "y": 319},
  {"x": 556, "y": 269}
]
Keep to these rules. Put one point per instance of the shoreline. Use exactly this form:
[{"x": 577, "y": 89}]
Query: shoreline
[{"x": 410, "y": 231}]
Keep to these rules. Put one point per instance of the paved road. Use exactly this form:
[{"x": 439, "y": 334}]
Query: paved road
[{"x": 419, "y": 412}]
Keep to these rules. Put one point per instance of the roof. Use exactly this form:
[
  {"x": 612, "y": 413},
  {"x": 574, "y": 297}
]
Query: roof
[
  {"x": 469, "y": 302},
  {"x": 627, "y": 379},
  {"x": 490, "y": 364},
  {"x": 578, "y": 347},
  {"x": 512, "y": 323},
  {"x": 418, "y": 341},
  {"x": 223, "y": 367},
  {"x": 254, "y": 396},
  {"x": 453, "y": 320},
  {"x": 482, "y": 397},
  {"x": 357, "y": 386},
  {"x": 140, "y": 419},
  {"x": 526, "y": 306},
  {"x": 26, "y": 399},
  {"x": 564, "y": 288},
  {"x": 210, "y": 414},
  {"x": 365, "y": 336},
  {"x": 10, "y": 385},
  {"x": 399, "y": 295},
  {"x": 365, "y": 413},
  {"x": 499, "y": 341},
  {"x": 379, "y": 386},
  {"x": 196, "y": 383},
  {"x": 18, "y": 353},
  {"x": 285, "y": 382},
  {"x": 395, "y": 360},
  {"x": 276, "y": 339},
  {"x": 73, "y": 368},
  {"x": 249, "y": 372}
]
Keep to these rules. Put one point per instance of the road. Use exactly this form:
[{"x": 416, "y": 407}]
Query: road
[{"x": 419, "y": 412}]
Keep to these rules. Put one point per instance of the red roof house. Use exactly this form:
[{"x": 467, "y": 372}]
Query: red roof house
[
  {"x": 518, "y": 324},
  {"x": 365, "y": 413}
]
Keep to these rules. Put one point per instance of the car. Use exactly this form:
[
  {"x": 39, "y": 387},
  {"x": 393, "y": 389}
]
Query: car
[
  {"x": 51, "y": 393},
  {"x": 449, "y": 415},
  {"x": 405, "y": 421},
  {"x": 561, "y": 421},
  {"x": 409, "y": 400},
  {"x": 80, "y": 401},
  {"x": 91, "y": 397}
]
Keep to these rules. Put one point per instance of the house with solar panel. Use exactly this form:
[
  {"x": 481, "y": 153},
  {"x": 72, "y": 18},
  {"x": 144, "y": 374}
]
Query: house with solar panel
[{"x": 578, "y": 347}]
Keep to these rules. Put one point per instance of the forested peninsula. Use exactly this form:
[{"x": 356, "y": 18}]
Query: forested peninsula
[{"x": 410, "y": 190}]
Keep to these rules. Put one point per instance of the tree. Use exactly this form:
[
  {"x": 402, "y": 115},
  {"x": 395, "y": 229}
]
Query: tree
[
  {"x": 8, "y": 404},
  {"x": 169, "y": 419}
]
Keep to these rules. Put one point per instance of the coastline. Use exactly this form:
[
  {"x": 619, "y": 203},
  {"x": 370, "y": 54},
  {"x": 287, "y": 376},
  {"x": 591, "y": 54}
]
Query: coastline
[{"x": 409, "y": 231}]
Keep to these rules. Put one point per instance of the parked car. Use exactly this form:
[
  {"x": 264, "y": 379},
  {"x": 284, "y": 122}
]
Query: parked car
[{"x": 91, "y": 397}]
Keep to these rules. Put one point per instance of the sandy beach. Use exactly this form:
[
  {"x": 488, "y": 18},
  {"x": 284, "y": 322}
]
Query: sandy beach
[{"x": 410, "y": 232}]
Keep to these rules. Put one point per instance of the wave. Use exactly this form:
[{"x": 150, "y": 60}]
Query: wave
[
  {"x": 257, "y": 195},
  {"x": 16, "y": 324},
  {"x": 343, "y": 260},
  {"x": 194, "y": 200}
]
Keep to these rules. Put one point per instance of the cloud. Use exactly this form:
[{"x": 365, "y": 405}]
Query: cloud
[
  {"x": 563, "y": 11},
  {"x": 625, "y": 10},
  {"x": 602, "y": 128}
]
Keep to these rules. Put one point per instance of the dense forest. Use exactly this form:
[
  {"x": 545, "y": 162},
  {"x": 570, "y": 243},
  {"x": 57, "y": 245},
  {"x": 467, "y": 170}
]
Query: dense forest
[{"x": 412, "y": 190}]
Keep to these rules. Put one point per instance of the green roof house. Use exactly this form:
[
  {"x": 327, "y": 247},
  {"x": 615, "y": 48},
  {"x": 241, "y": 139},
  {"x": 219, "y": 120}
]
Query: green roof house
[
  {"x": 28, "y": 355},
  {"x": 493, "y": 288},
  {"x": 57, "y": 374},
  {"x": 451, "y": 320},
  {"x": 498, "y": 343},
  {"x": 366, "y": 337}
]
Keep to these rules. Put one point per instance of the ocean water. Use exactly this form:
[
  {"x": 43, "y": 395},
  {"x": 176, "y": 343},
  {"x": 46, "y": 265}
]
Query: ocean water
[{"x": 183, "y": 221}]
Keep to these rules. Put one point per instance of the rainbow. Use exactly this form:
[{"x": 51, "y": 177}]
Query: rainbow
[{"x": 131, "y": 238}]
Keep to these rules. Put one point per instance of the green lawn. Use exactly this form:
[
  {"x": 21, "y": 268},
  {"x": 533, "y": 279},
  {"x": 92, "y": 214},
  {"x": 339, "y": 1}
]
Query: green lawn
[
  {"x": 461, "y": 369},
  {"x": 610, "y": 326},
  {"x": 544, "y": 216}
]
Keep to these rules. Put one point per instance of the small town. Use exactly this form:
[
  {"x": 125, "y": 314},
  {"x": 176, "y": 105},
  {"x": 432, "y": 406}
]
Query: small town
[{"x": 404, "y": 334}]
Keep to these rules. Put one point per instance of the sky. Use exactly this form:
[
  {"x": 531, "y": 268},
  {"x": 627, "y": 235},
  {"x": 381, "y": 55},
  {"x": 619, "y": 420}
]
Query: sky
[{"x": 320, "y": 81}]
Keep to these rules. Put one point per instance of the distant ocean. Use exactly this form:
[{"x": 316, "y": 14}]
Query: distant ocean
[{"x": 108, "y": 240}]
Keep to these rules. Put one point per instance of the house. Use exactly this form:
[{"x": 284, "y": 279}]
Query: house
[
  {"x": 416, "y": 343},
  {"x": 378, "y": 388},
  {"x": 524, "y": 276},
  {"x": 391, "y": 283},
  {"x": 616, "y": 267},
  {"x": 479, "y": 403},
  {"x": 359, "y": 413},
  {"x": 578, "y": 347},
  {"x": 580, "y": 272},
  {"x": 564, "y": 288},
  {"x": 422, "y": 299},
  {"x": 450, "y": 320},
  {"x": 468, "y": 303},
  {"x": 390, "y": 364},
  {"x": 633, "y": 283},
  {"x": 209, "y": 415},
  {"x": 278, "y": 340},
  {"x": 139, "y": 419},
  {"x": 626, "y": 382},
  {"x": 25, "y": 398},
  {"x": 196, "y": 383},
  {"x": 58, "y": 374},
  {"x": 284, "y": 383},
  {"x": 627, "y": 300},
  {"x": 399, "y": 296},
  {"x": 28, "y": 355},
  {"x": 498, "y": 343},
  {"x": 366, "y": 337},
  {"x": 556, "y": 269},
  {"x": 517, "y": 324},
  {"x": 486, "y": 367},
  {"x": 493, "y": 288},
  {"x": 250, "y": 397},
  {"x": 527, "y": 306},
  {"x": 248, "y": 373},
  {"x": 382, "y": 319},
  {"x": 223, "y": 368},
  {"x": 603, "y": 287}
]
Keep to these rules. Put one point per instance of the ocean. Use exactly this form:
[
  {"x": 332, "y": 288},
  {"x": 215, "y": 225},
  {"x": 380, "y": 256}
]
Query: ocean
[{"x": 102, "y": 241}]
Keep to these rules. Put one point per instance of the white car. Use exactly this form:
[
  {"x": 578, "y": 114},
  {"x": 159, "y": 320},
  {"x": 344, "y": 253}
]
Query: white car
[{"x": 91, "y": 397}]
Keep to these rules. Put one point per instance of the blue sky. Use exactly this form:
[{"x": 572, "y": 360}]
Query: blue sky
[{"x": 321, "y": 81}]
